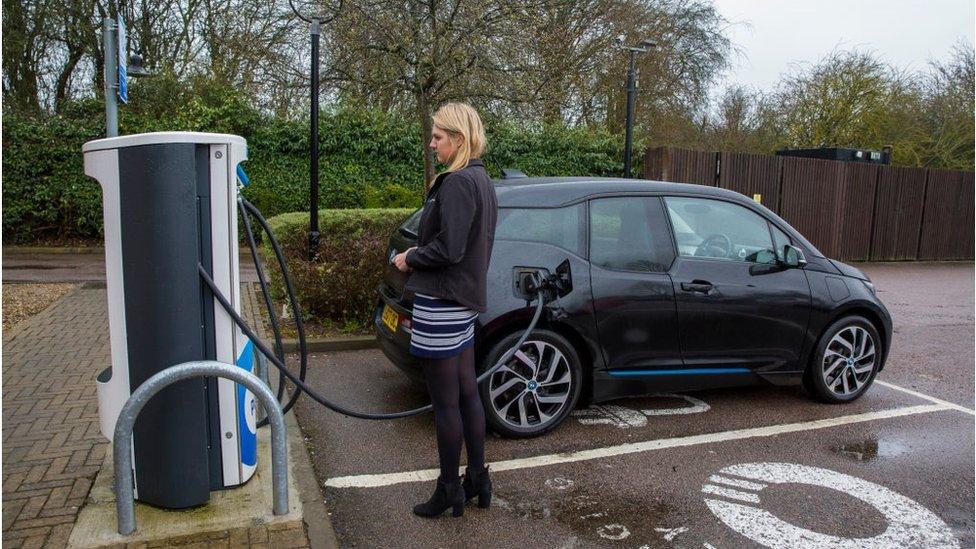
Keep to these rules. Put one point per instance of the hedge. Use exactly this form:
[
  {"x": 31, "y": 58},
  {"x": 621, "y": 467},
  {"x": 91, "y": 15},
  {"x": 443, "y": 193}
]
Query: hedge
[
  {"x": 341, "y": 285},
  {"x": 369, "y": 159}
]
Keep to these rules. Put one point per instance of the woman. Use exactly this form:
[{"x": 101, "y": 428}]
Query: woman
[{"x": 448, "y": 278}]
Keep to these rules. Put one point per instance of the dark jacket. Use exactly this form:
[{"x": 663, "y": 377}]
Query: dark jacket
[{"x": 457, "y": 232}]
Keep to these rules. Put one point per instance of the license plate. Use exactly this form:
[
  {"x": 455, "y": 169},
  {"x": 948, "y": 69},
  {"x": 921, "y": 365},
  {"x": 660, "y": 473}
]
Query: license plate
[{"x": 390, "y": 318}]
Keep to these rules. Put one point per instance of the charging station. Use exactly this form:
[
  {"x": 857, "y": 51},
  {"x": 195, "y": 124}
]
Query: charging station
[{"x": 170, "y": 204}]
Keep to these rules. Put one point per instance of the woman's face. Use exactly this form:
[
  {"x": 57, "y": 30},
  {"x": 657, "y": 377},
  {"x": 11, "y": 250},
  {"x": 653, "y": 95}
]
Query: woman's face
[{"x": 443, "y": 144}]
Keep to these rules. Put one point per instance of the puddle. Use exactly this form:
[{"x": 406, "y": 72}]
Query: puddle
[
  {"x": 871, "y": 449},
  {"x": 596, "y": 519}
]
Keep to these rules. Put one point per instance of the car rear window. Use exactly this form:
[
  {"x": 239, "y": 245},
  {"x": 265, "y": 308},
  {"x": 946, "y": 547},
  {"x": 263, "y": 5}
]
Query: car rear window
[
  {"x": 411, "y": 227},
  {"x": 557, "y": 226}
]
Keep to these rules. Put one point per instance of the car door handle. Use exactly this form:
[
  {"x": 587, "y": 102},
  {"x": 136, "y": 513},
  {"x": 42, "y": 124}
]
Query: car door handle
[{"x": 702, "y": 286}]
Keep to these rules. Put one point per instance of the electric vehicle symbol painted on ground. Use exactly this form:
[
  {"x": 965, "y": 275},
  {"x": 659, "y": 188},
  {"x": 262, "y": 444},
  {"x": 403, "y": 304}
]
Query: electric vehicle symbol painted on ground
[
  {"x": 675, "y": 287},
  {"x": 735, "y": 497}
]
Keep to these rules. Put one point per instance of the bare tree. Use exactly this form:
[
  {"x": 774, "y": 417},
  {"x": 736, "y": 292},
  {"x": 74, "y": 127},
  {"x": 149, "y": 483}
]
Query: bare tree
[
  {"x": 417, "y": 54},
  {"x": 26, "y": 43},
  {"x": 947, "y": 90}
]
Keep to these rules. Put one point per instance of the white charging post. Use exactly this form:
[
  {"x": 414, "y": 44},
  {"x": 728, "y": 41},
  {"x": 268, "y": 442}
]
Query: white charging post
[{"x": 170, "y": 203}]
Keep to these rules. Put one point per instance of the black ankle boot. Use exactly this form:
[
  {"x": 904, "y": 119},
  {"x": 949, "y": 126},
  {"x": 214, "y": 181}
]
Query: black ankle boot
[
  {"x": 477, "y": 483},
  {"x": 446, "y": 495}
]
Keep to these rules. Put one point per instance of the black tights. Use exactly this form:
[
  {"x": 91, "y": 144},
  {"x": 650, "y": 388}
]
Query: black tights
[{"x": 454, "y": 394}]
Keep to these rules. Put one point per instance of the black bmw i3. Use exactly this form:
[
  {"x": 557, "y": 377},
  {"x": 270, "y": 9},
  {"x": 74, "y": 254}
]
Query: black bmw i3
[{"x": 675, "y": 287}]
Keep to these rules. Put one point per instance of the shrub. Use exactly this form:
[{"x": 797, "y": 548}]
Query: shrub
[
  {"x": 369, "y": 159},
  {"x": 45, "y": 191},
  {"x": 341, "y": 285}
]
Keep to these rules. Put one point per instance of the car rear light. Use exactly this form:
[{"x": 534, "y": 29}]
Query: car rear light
[{"x": 405, "y": 321}]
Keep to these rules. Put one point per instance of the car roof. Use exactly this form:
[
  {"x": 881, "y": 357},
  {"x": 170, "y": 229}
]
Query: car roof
[{"x": 551, "y": 192}]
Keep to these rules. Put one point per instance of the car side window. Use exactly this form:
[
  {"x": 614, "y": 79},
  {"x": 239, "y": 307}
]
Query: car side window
[
  {"x": 558, "y": 226},
  {"x": 629, "y": 234},
  {"x": 780, "y": 239},
  {"x": 719, "y": 230}
]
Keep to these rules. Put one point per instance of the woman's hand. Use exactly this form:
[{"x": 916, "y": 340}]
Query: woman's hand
[{"x": 400, "y": 260}]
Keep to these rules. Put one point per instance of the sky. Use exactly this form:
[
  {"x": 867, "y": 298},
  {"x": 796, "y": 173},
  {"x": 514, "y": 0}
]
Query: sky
[{"x": 775, "y": 37}]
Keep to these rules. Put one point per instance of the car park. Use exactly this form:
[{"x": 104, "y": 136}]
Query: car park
[{"x": 675, "y": 287}]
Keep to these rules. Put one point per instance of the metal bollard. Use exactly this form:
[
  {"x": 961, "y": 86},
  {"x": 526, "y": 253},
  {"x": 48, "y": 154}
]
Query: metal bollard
[{"x": 122, "y": 441}]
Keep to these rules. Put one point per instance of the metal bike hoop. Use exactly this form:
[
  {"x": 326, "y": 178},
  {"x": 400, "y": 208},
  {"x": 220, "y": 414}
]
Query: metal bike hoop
[{"x": 122, "y": 440}]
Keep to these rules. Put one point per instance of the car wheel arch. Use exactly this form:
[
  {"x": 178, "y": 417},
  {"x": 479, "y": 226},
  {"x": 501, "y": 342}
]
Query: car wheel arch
[
  {"x": 568, "y": 332},
  {"x": 857, "y": 309}
]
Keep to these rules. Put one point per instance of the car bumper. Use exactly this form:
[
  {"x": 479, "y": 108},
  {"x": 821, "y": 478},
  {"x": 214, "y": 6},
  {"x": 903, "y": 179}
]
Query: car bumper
[{"x": 396, "y": 345}]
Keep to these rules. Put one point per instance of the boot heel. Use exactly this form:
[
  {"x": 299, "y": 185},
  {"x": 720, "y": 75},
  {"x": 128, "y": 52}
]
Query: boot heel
[
  {"x": 458, "y": 509},
  {"x": 484, "y": 500}
]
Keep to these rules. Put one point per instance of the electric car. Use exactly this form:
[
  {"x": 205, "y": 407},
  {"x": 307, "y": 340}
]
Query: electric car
[{"x": 675, "y": 287}]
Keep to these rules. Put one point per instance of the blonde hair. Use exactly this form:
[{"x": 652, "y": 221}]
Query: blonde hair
[{"x": 461, "y": 120}]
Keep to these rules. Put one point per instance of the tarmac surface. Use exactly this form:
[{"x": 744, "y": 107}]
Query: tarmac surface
[
  {"x": 748, "y": 467},
  {"x": 77, "y": 267}
]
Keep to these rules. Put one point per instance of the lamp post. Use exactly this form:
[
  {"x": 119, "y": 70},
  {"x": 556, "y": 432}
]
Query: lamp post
[
  {"x": 315, "y": 23},
  {"x": 641, "y": 47},
  {"x": 313, "y": 229}
]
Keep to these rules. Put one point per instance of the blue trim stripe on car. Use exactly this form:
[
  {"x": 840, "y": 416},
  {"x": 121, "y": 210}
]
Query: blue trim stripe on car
[{"x": 691, "y": 371}]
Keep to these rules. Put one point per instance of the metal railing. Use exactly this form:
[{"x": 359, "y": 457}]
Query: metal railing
[{"x": 122, "y": 441}]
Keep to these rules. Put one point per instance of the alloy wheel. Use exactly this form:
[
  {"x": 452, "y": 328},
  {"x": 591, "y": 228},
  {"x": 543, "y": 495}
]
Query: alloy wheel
[
  {"x": 848, "y": 361},
  {"x": 531, "y": 389}
]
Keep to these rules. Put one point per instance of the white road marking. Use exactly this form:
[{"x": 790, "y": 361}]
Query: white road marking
[
  {"x": 707, "y": 545},
  {"x": 613, "y": 531},
  {"x": 926, "y": 397},
  {"x": 610, "y": 414},
  {"x": 671, "y": 533},
  {"x": 730, "y": 493},
  {"x": 425, "y": 475},
  {"x": 559, "y": 483},
  {"x": 909, "y": 523},
  {"x": 697, "y": 406},
  {"x": 736, "y": 482},
  {"x": 622, "y": 417}
]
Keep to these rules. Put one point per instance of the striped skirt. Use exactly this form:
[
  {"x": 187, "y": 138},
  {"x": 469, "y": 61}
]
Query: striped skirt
[{"x": 440, "y": 328}]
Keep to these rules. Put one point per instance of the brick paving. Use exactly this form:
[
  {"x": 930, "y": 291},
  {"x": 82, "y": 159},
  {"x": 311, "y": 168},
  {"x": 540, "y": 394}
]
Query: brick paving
[{"x": 52, "y": 448}]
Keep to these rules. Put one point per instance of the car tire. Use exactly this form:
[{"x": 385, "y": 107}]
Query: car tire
[
  {"x": 844, "y": 362},
  {"x": 558, "y": 381}
]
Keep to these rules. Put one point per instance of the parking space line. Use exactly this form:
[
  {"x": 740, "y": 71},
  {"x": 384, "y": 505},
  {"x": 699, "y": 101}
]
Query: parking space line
[
  {"x": 926, "y": 397},
  {"x": 424, "y": 475}
]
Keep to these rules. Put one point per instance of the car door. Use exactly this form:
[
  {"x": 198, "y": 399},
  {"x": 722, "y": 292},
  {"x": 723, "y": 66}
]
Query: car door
[
  {"x": 739, "y": 307},
  {"x": 630, "y": 252}
]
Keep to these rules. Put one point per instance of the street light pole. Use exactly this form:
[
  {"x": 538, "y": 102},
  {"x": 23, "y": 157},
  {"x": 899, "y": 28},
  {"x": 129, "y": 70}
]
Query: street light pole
[
  {"x": 631, "y": 95},
  {"x": 315, "y": 24},
  {"x": 313, "y": 229},
  {"x": 631, "y": 92}
]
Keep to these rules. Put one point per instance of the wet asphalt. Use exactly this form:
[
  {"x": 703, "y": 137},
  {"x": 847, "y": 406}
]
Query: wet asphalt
[
  {"x": 39, "y": 268},
  {"x": 752, "y": 467}
]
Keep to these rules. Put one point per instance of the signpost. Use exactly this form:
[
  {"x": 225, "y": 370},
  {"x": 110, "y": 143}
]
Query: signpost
[{"x": 123, "y": 82}]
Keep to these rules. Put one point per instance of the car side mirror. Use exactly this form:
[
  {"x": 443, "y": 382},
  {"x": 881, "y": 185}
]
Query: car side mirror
[{"x": 793, "y": 256}]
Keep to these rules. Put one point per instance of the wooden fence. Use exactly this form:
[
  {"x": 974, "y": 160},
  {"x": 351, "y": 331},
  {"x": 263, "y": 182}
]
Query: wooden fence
[{"x": 850, "y": 211}]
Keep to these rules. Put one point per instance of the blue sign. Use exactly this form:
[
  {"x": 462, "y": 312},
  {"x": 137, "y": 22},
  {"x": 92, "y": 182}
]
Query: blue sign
[{"x": 123, "y": 84}]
